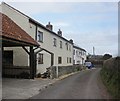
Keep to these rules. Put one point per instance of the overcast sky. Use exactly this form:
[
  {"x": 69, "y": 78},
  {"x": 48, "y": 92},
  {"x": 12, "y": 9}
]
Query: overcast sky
[{"x": 87, "y": 23}]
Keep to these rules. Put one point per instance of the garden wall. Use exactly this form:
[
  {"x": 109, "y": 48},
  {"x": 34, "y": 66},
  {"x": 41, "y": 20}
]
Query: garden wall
[{"x": 57, "y": 71}]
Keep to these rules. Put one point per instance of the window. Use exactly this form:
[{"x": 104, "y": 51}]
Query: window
[
  {"x": 80, "y": 52},
  {"x": 73, "y": 61},
  {"x": 59, "y": 60},
  {"x": 60, "y": 44},
  {"x": 84, "y": 53},
  {"x": 74, "y": 52},
  {"x": 70, "y": 60},
  {"x": 67, "y": 60},
  {"x": 78, "y": 62},
  {"x": 54, "y": 42},
  {"x": 40, "y": 58},
  {"x": 40, "y": 36},
  {"x": 67, "y": 46}
]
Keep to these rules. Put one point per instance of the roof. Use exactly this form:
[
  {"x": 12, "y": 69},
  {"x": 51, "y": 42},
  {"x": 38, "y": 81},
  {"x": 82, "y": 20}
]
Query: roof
[
  {"x": 74, "y": 46},
  {"x": 12, "y": 31},
  {"x": 36, "y": 22}
]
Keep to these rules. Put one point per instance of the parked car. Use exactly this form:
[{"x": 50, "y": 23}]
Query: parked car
[{"x": 88, "y": 64}]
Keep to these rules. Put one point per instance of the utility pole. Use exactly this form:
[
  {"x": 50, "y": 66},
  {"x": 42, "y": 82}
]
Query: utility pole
[{"x": 93, "y": 50}]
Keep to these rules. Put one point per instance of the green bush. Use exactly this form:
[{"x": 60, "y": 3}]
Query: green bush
[{"x": 110, "y": 78}]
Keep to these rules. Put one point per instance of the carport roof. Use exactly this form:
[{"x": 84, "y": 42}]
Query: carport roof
[{"x": 13, "y": 33}]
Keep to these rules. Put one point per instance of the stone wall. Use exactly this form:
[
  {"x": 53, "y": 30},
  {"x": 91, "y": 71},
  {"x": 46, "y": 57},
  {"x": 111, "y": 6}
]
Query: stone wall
[{"x": 57, "y": 71}]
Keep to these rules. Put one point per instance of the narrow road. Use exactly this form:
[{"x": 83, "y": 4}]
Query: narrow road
[{"x": 83, "y": 85}]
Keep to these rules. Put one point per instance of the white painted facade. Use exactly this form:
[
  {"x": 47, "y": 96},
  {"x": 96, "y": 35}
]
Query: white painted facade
[
  {"x": 79, "y": 55},
  {"x": 21, "y": 58}
]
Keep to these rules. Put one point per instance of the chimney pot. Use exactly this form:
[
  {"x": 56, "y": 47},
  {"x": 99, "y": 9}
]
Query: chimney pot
[
  {"x": 59, "y": 32},
  {"x": 49, "y": 26}
]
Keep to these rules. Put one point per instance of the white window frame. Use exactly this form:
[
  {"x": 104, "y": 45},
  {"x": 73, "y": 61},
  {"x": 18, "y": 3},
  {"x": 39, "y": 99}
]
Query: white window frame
[
  {"x": 40, "y": 36},
  {"x": 55, "y": 42},
  {"x": 60, "y": 44}
]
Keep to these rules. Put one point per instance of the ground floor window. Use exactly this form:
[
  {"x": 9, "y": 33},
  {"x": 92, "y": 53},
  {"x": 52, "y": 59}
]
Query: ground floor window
[
  {"x": 78, "y": 62},
  {"x": 69, "y": 60},
  {"x": 40, "y": 58},
  {"x": 59, "y": 60},
  {"x": 73, "y": 61}
]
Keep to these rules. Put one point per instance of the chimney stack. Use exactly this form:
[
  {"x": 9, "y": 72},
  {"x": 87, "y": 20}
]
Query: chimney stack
[
  {"x": 59, "y": 32},
  {"x": 49, "y": 26}
]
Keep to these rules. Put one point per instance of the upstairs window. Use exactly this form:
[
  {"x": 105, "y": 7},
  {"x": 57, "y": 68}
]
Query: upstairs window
[
  {"x": 67, "y": 46},
  {"x": 84, "y": 53},
  {"x": 60, "y": 44},
  {"x": 73, "y": 52},
  {"x": 77, "y": 53},
  {"x": 80, "y": 52},
  {"x": 40, "y": 36},
  {"x": 55, "y": 42}
]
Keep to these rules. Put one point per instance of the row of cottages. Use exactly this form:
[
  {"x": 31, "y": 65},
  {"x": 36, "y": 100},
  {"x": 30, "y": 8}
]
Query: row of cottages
[{"x": 54, "y": 50}]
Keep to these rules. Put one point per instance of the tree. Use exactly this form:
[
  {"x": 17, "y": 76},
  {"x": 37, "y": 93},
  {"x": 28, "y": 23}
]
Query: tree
[
  {"x": 107, "y": 56},
  {"x": 88, "y": 56}
]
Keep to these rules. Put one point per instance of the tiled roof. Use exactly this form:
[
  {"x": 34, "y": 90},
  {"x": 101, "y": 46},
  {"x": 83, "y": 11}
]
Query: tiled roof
[{"x": 11, "y": 30}]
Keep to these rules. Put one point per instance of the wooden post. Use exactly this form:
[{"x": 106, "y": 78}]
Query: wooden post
[
  {"x": 31, "y": 63},
  {"x": 35, "y": 64},
  {"x": 1, "y": 60}
]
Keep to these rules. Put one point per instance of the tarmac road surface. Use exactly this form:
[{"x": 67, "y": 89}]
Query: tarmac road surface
[{"x": 82, "y": 85}]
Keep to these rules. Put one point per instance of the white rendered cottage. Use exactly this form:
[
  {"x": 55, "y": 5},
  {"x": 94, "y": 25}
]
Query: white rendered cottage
[
  {"x": 55, "y": 49},
  {"x": 79, "y": 55}
]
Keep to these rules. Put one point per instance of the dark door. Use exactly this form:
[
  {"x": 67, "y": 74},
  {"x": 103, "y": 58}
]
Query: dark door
[{"x": 8, "y": 58}]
